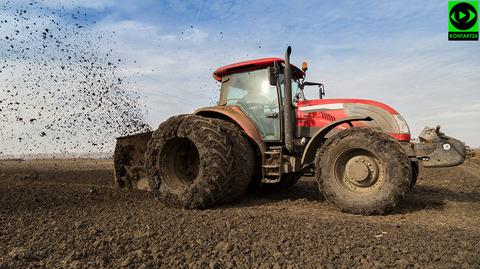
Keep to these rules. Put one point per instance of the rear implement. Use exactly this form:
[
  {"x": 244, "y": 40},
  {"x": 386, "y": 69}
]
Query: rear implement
[{"x": 129, "y": 161}]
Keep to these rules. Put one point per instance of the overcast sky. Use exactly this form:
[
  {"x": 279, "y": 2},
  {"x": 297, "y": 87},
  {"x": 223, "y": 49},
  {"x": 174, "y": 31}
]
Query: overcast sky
[{"x": 395, "y": 52}]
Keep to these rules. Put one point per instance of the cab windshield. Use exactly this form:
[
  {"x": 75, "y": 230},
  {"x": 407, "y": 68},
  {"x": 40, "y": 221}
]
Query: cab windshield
[{"x": 252, "y": 92}]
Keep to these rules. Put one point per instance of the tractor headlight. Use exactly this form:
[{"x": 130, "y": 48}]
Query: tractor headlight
[{"x": 402, "y": 124}]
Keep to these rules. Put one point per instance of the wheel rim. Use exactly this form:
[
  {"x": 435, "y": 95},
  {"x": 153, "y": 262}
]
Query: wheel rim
[
  {"x": 358, "y": 171},
  {"x": 179, "y": 163}
]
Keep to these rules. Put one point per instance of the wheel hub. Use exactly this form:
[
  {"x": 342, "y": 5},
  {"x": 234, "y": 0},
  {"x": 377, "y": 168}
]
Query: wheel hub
[
  {"x": 357, "y": 170},
  {"x": 180, "y": 162},
  {"x": 361, "y": 171}
]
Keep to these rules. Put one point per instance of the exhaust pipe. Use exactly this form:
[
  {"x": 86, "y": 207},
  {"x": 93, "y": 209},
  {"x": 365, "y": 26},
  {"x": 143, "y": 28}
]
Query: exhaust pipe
[{"x": 287, "y": 102}]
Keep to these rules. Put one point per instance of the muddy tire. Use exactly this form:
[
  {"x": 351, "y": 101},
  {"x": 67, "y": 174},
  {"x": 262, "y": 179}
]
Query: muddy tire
[
  {"x": 286, "y": 182},
  {"x": 196, "y": 162},
  {"x": 363, "y": 171}
]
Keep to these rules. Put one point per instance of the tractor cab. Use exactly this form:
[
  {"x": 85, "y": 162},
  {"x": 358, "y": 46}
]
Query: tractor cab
[{"x": 257, "y": 88}]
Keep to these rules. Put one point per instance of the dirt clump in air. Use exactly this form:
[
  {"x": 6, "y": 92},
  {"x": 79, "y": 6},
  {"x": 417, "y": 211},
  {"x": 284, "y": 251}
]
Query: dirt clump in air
[{"x": 62, "y": 88}]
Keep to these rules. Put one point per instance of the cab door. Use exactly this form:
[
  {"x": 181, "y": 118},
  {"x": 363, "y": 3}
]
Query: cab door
[{"x": 252, "y": 93}]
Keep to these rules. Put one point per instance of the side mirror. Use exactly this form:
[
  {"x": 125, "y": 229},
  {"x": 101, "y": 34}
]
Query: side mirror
[
  {"x": 272, "y": 78},
  {"x": 321, "y": 88}
]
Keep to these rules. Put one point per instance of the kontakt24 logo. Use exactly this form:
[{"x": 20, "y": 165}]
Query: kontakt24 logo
[{"x": 462, "y": 20}]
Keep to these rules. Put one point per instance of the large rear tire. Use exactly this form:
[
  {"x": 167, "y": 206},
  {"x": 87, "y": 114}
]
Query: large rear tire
[
  {"x": 196, "y": 162},
  {"x": 363, "y": 171}
]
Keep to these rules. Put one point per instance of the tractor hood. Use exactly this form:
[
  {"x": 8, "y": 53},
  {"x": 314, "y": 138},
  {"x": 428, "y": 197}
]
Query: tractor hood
[{"x": 318, "y": 113}]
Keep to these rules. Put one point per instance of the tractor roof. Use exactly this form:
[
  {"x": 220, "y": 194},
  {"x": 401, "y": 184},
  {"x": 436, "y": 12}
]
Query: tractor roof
[{"x": 250, "y": 66}]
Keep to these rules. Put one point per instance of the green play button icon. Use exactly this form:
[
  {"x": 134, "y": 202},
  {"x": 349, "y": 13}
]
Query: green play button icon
[{"x": 463, "y": 20}]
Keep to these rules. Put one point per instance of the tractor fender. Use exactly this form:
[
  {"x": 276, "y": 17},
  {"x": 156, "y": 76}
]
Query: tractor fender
[
  {"x": 236, "y": 116},
  {"x": 311, "y": 148}
]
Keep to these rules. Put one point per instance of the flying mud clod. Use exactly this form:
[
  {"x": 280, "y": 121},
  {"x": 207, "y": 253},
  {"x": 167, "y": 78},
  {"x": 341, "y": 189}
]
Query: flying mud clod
[{"x": 62, "y": 88}]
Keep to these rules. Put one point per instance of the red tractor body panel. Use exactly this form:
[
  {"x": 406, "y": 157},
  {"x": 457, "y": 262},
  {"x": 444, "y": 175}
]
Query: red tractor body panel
[{"x": 312, "y": 115}]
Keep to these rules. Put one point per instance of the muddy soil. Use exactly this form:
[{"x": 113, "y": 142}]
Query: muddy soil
[{"x": 67, "y": 214}]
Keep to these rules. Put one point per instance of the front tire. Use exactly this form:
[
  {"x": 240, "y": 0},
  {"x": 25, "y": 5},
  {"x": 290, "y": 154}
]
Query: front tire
[
  {"x": 196, "y": 162},
  {"x": 363, "y": 171}
]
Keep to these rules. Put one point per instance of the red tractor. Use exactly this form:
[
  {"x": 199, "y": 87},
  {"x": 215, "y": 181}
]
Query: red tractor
[{"x": 264, "y": 135}]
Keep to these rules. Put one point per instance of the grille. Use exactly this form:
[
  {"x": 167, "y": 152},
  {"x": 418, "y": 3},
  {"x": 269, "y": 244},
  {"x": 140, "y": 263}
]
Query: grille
[{"x": 327, "y": 116}]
